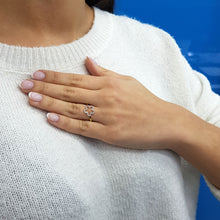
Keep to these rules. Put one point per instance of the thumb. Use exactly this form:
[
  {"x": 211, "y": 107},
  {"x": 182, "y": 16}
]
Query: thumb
[{"x": 96, "y": 69}]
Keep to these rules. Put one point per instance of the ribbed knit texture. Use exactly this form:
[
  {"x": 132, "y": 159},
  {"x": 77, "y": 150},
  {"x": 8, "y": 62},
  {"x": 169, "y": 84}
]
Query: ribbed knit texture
[{"x": 48, "y": 173}]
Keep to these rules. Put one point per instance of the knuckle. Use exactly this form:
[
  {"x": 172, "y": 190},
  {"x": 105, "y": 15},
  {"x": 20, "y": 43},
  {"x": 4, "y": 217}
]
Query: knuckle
[
  {"x": 115, "y": 132},
  {"x": 67, "y": 92},
  {"x": 75, "y": 80},
  {"x": 50, "y": 102},
  {"x": 111, "y": 82},
  {"x": 114, "y": 117},
  {"x": 42, "y": 87},
  {"x": 67, "y": 124},
  {"x": 114, "y": 84},
  {"x": 111, "y": 97},
  {"x": 55, "y": 77},
  {"x": 83, "y": 125},
  {"x": 111, "y": 135},
  {"x": 73, "y": 109},
  {"x": 103, "y": 96}
]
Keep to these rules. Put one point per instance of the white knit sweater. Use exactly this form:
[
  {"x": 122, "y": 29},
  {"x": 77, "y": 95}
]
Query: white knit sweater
[{"x": 48, "y": 173}]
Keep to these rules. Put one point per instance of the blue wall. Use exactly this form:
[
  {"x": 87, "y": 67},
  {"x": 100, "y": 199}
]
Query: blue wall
[{"x": 195, "y": 25}]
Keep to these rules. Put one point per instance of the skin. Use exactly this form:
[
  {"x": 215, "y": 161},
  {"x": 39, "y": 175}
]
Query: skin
[
  {"x": 34, "y": 23},
  {"x": 126, "y": 119}
]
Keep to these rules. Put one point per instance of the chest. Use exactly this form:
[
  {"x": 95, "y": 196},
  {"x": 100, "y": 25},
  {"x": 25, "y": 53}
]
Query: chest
[{"x": 56, "y": 167}]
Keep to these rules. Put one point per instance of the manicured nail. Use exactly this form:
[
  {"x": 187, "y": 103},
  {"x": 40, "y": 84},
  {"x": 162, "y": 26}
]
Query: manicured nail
[
  {"x": 35, "y": 96},
  {"x": 52, "y": 117},
  {"x": 38, "y": 75},
  {"x": 26, "y": 84}
]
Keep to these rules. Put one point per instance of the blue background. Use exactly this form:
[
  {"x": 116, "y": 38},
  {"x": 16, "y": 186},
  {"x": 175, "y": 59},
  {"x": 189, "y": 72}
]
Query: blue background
[{"x": 195, "y": 25}]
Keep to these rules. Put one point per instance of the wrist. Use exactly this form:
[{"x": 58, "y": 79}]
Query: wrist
[
  {"x": 189, "y": 129},
  {"x": 174, "y": 132},
  {"x": 182, "y": 128}
]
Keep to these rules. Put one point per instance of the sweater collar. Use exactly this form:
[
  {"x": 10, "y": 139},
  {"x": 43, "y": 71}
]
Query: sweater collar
[{"x": 24, "y": 59}]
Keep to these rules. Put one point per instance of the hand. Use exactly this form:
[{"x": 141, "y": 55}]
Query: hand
[{"x": 126, "y": 114}]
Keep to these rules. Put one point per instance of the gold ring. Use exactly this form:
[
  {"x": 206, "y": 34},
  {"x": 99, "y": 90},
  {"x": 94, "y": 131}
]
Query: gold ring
[{"x": 88, "y": 112}]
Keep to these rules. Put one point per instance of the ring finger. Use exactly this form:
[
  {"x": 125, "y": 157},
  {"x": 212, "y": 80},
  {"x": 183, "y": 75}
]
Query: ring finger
[{"x": 72, "y": 110}]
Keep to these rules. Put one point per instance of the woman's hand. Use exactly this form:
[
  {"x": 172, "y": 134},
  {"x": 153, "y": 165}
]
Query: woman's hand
[{"x": 126, "y": 114}]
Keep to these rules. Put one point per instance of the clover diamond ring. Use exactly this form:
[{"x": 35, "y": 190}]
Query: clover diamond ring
[{"x": 89, "y": 110}]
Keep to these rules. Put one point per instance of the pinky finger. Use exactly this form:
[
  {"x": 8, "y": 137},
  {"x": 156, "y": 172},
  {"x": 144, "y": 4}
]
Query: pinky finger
[{"x": 76, "y": 126}]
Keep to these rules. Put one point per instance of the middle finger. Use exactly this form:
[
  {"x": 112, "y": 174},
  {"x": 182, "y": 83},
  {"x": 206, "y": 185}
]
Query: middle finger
[{"x": 62, "y": 92}]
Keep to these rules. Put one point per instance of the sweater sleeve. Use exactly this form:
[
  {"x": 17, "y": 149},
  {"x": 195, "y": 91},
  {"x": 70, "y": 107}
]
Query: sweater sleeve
[
  {"x": 207, "y": 104},
  {"x": 206, "y": 101}
]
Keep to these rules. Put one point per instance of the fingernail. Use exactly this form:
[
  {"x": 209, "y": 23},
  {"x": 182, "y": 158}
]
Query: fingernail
[
  {"x": 93, "y": 61},
  {"x": 38, "y": 75},
  {"x": 26, "y": 84},
  {"x": 35, "y": 96},
  {"x": 52, "y": 117}
]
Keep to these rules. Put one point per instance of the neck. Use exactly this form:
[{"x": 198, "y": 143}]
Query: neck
[{"x": 43, "y": 22}]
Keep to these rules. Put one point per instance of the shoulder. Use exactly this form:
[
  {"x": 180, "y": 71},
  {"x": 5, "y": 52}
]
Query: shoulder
[{"x": 146, "y": 34}]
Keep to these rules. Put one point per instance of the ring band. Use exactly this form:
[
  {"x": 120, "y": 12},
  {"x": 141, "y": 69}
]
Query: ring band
[{"x": 88, "y": 112}]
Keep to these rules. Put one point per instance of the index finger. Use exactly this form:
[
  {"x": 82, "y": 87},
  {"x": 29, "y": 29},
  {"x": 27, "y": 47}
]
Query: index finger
[{"x": 71, "y": 79}]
